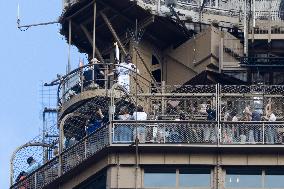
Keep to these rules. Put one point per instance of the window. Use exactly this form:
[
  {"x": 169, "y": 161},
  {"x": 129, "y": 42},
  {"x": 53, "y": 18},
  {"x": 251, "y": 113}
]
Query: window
[
  {"x": 255, "y": 178},
  {"x": 243, "y": 178},
  {"x": 190, "y": 177},
  {"x": 274, "y": 178},
  {"x": 160, "y": 178},
  {"x": 195, "y": 177}
]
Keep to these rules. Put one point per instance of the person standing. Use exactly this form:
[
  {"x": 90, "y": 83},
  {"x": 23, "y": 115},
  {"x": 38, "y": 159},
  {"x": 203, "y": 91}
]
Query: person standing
[
  {"x": 270, "y": 129},
  {"x": 124, "y": 70},
  {"x": 140, "y": 115},
  {"x": 33, "y": 165}
]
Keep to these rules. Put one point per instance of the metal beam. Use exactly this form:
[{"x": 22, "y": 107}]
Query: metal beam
[
  {"x": 113, "y": 32},
  {"x": 148, "y": 70},
  {"x": 141, "y": 25},
  {"x": 89, "y": 37}
]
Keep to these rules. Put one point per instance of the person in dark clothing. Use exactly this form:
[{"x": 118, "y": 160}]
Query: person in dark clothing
[
  {"x": 96, "y": 122},
  {"x": 210, "y": 133},
  {"x": 98, "y": 75}
]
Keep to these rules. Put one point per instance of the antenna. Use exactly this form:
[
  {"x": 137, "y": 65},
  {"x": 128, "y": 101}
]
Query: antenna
[{"x": 26, "y": 27}]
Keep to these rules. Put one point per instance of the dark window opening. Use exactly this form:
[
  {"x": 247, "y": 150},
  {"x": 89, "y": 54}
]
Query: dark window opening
[{"x": 155, "y": 61}]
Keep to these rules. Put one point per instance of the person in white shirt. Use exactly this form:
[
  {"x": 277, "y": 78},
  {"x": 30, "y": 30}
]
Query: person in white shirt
[
  {"x": 124, "y": 70},
  {"x": 140, "y": 115},
  {"x": 271, "y": 131},
  {"x": 123, "y": 132}
]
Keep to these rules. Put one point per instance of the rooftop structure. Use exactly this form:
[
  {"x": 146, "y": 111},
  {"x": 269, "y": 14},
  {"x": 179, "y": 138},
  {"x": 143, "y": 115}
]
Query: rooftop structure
[{"x": 209, "y": 76}]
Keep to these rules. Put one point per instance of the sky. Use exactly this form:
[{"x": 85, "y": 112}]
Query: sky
[{"x": 27, "y": 58}]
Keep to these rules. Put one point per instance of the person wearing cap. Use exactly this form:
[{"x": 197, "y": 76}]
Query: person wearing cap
[
  {"x": 94, "y": 73},
  {"x": 124, "y": 70},
  {"x": 33, "y": 165}
]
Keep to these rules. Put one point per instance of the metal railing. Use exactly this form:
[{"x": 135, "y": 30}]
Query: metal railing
[
  {"x": 251, "y": 133},
  {"x": 163, "y": 132},
  {"x": 155, "y": 132},
  {"x": 66, "y": 161},
  {"x": 96, "y": 76},
  {"x": 262, "y": 61},
  {"x": 201, "y": 133}
]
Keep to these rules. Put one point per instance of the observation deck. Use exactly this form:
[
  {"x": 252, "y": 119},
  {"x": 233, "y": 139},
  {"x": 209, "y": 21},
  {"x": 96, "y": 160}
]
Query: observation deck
[{"x": 209, "y": 125}]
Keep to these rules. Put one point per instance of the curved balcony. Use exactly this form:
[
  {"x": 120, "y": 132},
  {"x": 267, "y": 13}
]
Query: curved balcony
[{"x": 93, "y": 84}]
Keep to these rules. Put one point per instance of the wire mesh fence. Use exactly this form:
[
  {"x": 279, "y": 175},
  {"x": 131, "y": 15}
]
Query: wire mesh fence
[
  {"x": 66, "y": 161},
  {"x": 161, "y": 132},
  {"x": 251, "y": 133}
]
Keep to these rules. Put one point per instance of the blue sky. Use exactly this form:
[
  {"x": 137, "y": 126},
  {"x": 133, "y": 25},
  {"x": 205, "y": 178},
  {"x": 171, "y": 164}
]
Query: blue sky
[{"x": 27, "y": 58}]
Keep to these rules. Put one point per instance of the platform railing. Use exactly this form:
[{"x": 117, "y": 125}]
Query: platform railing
[
  {"x": 87, "y": 78},
  {"x": 155, "y": 132},
  {"x": 251, "y": 133},
  {"x": 198, "y": 133},
  {"x": 66, "y": 161},
  {"x": 165, "y": 132}
]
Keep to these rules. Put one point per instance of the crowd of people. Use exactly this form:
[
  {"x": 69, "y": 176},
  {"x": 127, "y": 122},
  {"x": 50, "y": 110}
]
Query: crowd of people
[{"x": 236, "y": 127}]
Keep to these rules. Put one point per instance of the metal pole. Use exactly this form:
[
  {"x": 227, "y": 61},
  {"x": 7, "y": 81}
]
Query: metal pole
[
  {"x": 163, "y": 99},
  {"x": 94, "y": 30},
  {"x": 69, "y": 47},
  {"x": 221, "y": 55},
  {"x": 245, "y": 29},
  {"x": 61, "y": 139},
  {"x": 113, "y": 33},
  {"x": 94, "y": 41}
]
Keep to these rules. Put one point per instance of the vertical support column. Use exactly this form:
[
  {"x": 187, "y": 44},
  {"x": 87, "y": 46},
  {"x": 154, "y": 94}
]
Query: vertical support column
[
  {"x": 269, "y": 25},
  {"x": 263, "y": 133},
  {"x": 221, "y": 54},
  {"x": 94, "y": 30},
  {"x": 253, "y": 21},
  {"x": 245, "y": 29},
  {"x": 94, "y": 42},
  {"x": 163, "y": 99},
  {"x": 218, "y": 97},
  {"x": 69, "y": 46},
  {"x": 61, "y": 138}
]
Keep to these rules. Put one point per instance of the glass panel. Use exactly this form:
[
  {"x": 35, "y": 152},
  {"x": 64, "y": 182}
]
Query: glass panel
[
  {"x": 194, "y": 177},
  {"x": 243, "y": 178},
  {"x": 160, "y": 178},
  {"x": 274, "y": 179}
]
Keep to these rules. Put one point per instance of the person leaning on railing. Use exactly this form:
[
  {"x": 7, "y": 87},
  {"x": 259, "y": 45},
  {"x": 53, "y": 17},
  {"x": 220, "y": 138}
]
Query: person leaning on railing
[
  {"x": 97, "y": 122},
  {"x": 140, "y": 115},
  {"x": 94, "y": 72},
  {"x": 210, "y": 133},
  {"x": 270, "y": 116},
  {"x": 123, "y": 132},
  {"x": 33, "y": 165}
]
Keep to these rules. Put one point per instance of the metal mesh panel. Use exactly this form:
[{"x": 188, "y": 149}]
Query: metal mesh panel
[
  {"x": 41, "y": 177},
  {"x": 239, "y": 101},
  {"x": 252, "y": 133},
  {"x": 171, "y": 132},
  {"x": 84, "y": 149}
]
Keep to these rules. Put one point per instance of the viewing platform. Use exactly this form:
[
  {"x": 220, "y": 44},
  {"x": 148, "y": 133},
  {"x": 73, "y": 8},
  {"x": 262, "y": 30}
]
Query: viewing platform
[{"x": 214, "y": 119}]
